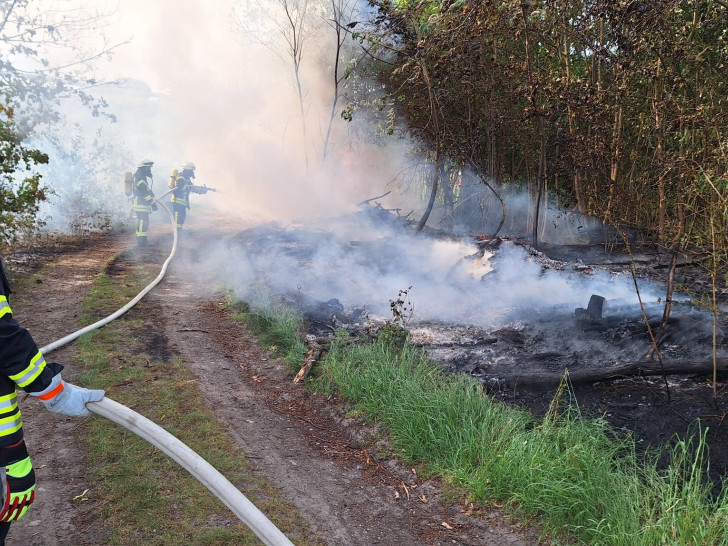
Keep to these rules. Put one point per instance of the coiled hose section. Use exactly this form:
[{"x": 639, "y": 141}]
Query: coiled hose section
[{"x": 208, "y": 475}]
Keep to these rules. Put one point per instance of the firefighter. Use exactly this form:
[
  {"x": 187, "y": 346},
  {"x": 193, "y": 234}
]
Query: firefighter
[
  {"x": 182, "y": 186},
  {"x": 22, "y": 366},
  {"x": 143, "y": 199}
]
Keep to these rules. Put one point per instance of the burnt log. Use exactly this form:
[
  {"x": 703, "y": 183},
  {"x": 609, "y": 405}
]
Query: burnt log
[
  {"x": 312, "y": 355},
  {"x": 642, "y": 368}
]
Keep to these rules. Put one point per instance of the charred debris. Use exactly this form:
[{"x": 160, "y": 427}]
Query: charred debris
[{"x": 600, "y": 340}]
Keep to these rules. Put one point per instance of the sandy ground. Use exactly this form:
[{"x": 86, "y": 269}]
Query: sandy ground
[{"x": 325, "y": 463}]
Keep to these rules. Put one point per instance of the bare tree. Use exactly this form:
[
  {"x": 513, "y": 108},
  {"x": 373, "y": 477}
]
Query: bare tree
[
  {"x": 294, "y": 33},
  {"x": 291, "y": 21},
  {"x": 342, "y": 20}
]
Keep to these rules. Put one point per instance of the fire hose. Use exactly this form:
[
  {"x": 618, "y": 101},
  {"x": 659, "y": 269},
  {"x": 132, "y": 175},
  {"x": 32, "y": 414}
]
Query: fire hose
[{"x": 208, "y": 475}]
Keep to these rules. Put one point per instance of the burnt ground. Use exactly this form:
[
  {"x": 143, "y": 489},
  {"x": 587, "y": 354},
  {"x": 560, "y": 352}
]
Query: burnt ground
[
  {"x": 521, "y": 361},
  {"x": 334, "y": 468},
  {"x": 657, "y": 410}
]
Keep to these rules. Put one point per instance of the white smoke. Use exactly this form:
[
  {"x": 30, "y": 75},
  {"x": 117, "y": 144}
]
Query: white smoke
[{"x": 209, "y": 82}]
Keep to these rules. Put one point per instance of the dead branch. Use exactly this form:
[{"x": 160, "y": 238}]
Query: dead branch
[
  {"x": 373, "y": 199},
  {"x": 633, "y": 369},
  {"x": 312, "y": 356}
]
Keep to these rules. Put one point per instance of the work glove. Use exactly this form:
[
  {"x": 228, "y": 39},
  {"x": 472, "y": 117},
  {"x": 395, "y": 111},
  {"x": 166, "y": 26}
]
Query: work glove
[
  {"x": 67, "y": 399},
  {"x": 154, "y": 206}
]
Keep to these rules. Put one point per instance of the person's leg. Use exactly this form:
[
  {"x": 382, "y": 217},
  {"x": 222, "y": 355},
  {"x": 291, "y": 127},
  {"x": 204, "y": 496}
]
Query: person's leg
[
  {"x": 142, "y": 228},
  {"x": 180, "y": 213},
  {"x": 4, "y": 528}
]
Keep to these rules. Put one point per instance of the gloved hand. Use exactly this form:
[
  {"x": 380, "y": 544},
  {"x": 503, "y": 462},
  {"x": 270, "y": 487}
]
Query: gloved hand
[
  {"x": 71, "y": 400},
  {"x": 154, "y": 206}
]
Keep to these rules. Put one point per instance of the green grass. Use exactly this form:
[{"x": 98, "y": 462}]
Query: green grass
[
  {"x": 576, "y": 477},
  {"x": 143, "y": 496},
  {"x": 277, "y": 328}
]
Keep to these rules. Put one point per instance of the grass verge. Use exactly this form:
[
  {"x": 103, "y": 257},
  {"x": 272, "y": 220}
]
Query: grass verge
[
  {"x": 576, "y": 476},
  {"x": 148, "y": 498}
]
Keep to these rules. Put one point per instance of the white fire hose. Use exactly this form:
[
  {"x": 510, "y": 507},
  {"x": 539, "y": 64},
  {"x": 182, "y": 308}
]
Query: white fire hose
[{"x": 208, "y": 475}]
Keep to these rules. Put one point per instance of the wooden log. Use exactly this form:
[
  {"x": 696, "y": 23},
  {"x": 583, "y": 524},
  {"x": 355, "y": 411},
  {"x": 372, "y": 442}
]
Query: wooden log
[
  {"x": 544, "y": 379},
  {"x": 312, "y": 356}
]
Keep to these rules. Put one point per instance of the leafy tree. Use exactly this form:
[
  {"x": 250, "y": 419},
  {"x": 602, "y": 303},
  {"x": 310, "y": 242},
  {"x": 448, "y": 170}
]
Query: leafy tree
[
  {"x": 43, "y": 63},
  {"x": 20, "y": 194}
]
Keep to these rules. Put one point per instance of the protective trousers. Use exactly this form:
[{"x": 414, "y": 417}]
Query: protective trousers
[
  {"x": 180, "y": 215},
  {"x": 4, "y": 528},
  {"x": 142, "y": 228}
]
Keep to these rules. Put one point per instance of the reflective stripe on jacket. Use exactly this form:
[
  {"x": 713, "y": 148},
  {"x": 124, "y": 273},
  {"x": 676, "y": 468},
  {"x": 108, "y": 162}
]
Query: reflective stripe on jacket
[
  {"x": 143, "y": 194},
  {"x": 181, "y": 190},
  {"x": 21, "y": 366}
]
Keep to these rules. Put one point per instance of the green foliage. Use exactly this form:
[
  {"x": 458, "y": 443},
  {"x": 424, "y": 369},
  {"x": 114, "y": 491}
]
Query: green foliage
[
  {"x": 20, "y": 195},
  {"x": 394, "y": 331},
  {"x": 278, "y": 327},
  {"x": 46, "y": 66}
]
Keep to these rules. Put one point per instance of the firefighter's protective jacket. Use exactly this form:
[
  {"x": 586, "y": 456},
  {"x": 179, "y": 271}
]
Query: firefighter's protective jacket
[
  {"x": 181, "y": 188},
  {"x": 143, "y": 194},
  {"x": 22, "y": 366}
]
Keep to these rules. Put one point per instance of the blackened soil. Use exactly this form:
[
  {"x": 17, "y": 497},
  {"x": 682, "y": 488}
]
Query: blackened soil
[
  {"x": 657, "y": 415},
  {"x": 658, "y": 411},
  {"x": 509, "y": 360}
]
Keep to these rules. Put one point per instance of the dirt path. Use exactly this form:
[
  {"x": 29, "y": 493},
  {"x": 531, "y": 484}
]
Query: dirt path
[
  {"x": 328, "y": 465},
  {"x": 59, "y": 515}
]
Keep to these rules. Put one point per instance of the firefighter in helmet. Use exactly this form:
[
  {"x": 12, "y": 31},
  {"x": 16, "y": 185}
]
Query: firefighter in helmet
[
  {"x": 182, "y": 186},
  {"x": 22, "y": 366},
  {"x": 143, "y": 203}
]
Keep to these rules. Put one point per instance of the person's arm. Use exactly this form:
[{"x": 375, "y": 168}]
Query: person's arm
[{"x": 22, "y": 362}]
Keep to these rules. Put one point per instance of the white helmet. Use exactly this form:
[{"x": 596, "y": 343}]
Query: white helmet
[
  {"x": 145, "y": 163},
  {"x": 188, "y": 166}
]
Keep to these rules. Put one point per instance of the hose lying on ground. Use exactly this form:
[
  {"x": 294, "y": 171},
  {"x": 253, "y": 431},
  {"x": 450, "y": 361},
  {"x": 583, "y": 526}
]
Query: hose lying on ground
[
  {"x": 246, "y": 511},
  {"x": 59, "y": 343},
  {"x": 195, "y": 465}
]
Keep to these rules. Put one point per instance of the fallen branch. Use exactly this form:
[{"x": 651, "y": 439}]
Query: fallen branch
[
  {"x": 373, "y": 199},
  {"x": 641, "y": 368},
  {"x": 312, "y": 356}
]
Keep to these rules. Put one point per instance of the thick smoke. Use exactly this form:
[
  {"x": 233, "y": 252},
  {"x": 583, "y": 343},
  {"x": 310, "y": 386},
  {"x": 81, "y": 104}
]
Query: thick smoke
[
  {"x": 210, "y": 82},
  {"x": 227, "y": 102},
  {"x": 360, "y": 263}
]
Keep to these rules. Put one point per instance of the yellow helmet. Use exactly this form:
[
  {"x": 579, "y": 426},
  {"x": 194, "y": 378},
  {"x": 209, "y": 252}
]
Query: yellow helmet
[{"x": 188, "y": 166}]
